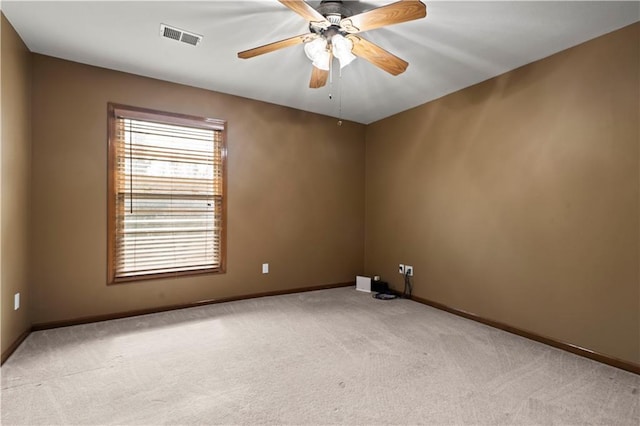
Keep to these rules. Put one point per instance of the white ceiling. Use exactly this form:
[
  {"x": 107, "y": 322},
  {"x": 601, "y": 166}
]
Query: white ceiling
[{"x": 458, "y": 44}]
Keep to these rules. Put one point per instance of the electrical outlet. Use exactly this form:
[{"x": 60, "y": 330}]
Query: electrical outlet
[
  {"x": 409, "y": 270},
  {"x": 401, "y": 269},
  {"x": 265, "y": 268},
  {"x": 16, "y": 301}
]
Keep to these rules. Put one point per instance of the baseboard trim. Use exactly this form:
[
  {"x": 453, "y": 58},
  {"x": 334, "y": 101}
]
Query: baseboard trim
[
  {"x": 127, "y": 314},
  {"x": 587, "y": 353},
  {"x": 12, "y": 348},
  {"x": 574, "y": 349}
]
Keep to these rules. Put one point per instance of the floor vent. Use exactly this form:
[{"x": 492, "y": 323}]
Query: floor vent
[{"x": 180, "y": 35}]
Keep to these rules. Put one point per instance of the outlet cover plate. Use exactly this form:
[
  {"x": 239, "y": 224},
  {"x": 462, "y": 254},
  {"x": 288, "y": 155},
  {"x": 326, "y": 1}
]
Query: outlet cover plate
[{"x": 409, "y": 270}]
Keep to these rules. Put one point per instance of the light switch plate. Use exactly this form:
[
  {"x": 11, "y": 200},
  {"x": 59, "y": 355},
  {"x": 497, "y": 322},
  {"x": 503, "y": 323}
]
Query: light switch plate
[{"x": 265, "y": 268}]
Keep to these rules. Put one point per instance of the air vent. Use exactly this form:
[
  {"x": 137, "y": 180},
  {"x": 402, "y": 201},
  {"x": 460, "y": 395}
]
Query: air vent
[{"x": 180, "y": 35}]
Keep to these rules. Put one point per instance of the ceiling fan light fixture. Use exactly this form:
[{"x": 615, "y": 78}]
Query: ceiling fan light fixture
[
  {"x": 332, "y": 21},
  {"x": 316, "y": 51},
  {"x": 342, "y": 47}
]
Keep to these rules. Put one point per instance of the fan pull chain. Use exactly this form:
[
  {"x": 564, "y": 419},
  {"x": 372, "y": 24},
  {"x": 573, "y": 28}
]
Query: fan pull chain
[
  {"x": 340, "y": 99},
  {"x": 331, "y": 78}
]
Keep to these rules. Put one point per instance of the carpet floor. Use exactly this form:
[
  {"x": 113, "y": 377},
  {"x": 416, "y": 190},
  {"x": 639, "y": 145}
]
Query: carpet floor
[{"x": 324, "y": 357}]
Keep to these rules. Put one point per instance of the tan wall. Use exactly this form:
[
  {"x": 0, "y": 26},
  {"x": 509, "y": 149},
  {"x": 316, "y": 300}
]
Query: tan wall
[
  {"x": 15, "y": 181},
  {"x": 295, "y": 194},
  {"x": 517, "y": 199}
]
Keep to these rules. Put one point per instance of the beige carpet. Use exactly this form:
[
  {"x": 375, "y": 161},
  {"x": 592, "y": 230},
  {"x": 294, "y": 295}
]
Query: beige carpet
[{"x": 325, "y": 357}]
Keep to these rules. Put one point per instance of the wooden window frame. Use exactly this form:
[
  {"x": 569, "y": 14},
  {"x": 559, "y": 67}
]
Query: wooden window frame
[{"x": 115, "y": 110}]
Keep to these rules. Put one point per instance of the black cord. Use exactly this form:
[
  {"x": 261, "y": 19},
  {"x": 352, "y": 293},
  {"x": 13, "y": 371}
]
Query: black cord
[
  {"x": 408, "y": 287},
  {"x": 384, "y": 296}
]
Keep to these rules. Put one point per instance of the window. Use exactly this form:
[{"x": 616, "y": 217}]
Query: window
[{"x": 166, "y": 189}]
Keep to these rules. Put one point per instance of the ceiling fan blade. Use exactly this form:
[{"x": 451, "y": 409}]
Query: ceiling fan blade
[
  {"x": 303, "y": 9},
  {"x": 394, "y": 13},
  {"x": 276, "y": 45},
  {"x": 318, "y": 78},
  {"x": 377, "y": 55}
]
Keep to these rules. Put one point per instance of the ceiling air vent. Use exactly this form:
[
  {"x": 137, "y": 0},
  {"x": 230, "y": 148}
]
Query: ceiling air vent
[{"x": 180, "y": 35}]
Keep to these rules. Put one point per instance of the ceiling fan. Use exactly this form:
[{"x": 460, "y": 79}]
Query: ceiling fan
[{"x": 332, "y": 32}]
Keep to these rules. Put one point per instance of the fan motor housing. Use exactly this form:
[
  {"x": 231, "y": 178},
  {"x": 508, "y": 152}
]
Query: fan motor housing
[{"x": 334, "y": 11}]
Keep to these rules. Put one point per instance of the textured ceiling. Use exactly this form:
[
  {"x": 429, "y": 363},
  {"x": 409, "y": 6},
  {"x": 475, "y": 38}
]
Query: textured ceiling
[{"x": 458, "y": 44}]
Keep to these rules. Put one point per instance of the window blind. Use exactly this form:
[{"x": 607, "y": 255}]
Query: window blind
[{"x": 168, "y": 197}]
